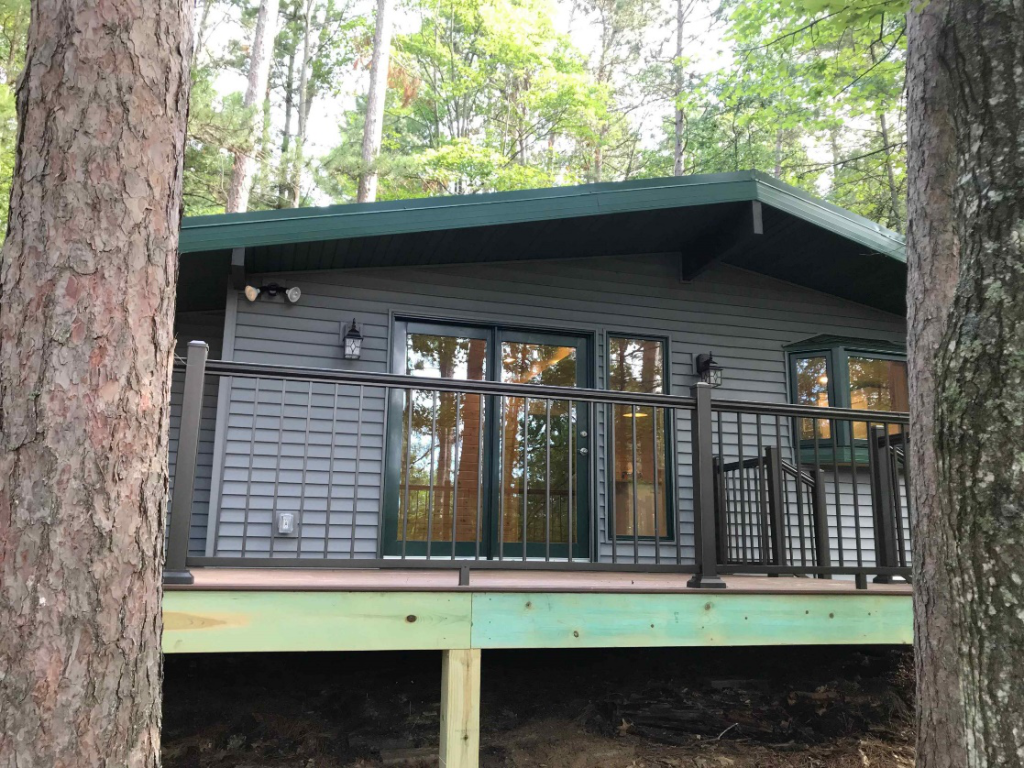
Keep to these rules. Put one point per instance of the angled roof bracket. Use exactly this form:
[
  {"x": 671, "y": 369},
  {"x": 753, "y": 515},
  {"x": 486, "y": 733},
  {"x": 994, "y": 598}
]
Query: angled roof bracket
[
  {"x": 737, "y": 233},
  {"x": 238, "y": 278}
]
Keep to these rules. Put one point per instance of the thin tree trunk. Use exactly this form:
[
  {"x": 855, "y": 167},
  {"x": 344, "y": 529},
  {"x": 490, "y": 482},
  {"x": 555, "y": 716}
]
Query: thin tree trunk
[
  {"x": 88, "y": 273},
  {"x": 303, "y": 107},
  {"x": 373, "y": 128},
  {"x": 890, "y": 173},
  {"x": 286, "y": 133},
  {"x": 678, "y": 165},
  {"x": 262, "y": 52},
  {"x": 966, "y": 312}
]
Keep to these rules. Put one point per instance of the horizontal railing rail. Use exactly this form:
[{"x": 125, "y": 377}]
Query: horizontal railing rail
[{"x": 324, "y": 468}]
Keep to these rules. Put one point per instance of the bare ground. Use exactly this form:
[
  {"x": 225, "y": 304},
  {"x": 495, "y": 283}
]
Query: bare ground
[{"x": 686, "y": 708}]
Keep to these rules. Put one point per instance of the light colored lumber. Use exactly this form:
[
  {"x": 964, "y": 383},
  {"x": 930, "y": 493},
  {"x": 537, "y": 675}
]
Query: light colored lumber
[{"x": 460, "y": 709}]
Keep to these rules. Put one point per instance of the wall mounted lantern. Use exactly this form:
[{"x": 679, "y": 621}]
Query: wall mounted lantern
[
  {"x": 292, "y": 294},
  {"x": 708, "y": 370},
  {"x": 351, "y": 342}
]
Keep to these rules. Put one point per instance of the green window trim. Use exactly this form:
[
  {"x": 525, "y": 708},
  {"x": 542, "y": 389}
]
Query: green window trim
[
  {"x": 668, "y": 533},
  {"x": 843, "y": 448}
]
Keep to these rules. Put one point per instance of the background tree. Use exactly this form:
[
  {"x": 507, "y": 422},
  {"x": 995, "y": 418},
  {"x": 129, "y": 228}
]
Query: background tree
[
  {"x": 966, "y": 312},
  {"x": 373, "y": 124},
  {"x": 260, "y": 52},
  {"x": 87, "y": 274}
]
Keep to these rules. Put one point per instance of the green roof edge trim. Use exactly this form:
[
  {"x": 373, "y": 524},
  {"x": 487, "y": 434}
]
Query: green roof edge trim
[{"x": 338, "y": 222}]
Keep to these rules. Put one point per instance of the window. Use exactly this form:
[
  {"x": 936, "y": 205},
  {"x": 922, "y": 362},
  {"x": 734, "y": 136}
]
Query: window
[
  {"x": 847, "y": 373},
  {"x": 639, "y": 456}
]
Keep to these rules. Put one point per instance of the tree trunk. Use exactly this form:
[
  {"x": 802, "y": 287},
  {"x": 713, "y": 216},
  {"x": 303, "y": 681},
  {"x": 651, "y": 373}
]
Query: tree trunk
[
  {"x": 890, "y": 175},
  {"x": 262, "y": 53},
  {"x": 678, "y": 166},
  {"x": 88, "y": 274},
  {"x": 966, "y": 312},
  {"x": 286, "y": 134},
  {"x": 373, "y": 128},
  {"x": 303, "y": 106}
]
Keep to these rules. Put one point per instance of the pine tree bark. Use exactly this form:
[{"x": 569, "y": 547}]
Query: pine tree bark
[
  {"x": 262, "y": 51},
  {"x": 87, "y": 275},
  {"x": 373, "y": 128},
  {"x": 966, "y": 314}
]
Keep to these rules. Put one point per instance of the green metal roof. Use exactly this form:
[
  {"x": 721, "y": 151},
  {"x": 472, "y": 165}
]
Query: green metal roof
[{"x": 805, "y": 240}]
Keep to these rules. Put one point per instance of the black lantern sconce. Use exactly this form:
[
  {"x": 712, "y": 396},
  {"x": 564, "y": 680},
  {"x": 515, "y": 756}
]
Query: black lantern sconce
[
  {"x": 351, "y": 342},
  {"x": 708, "y": 370}
]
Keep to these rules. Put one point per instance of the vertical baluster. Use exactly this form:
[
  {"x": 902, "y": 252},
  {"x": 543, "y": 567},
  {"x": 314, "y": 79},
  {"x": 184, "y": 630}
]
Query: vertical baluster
[
  {"x": 762, "y": 496},
  {"x": 277, "y": 465},
  {"x": 526, "y": 467},
  {"x": 890, "y": 456},
  {"x": 330, "y": 471},
  {"x": 305, "y": 464},
  {"x": 656, "y": 493},
  {"x": 572, "y": 479},
  {"x": 501, "y": 481},
  {"x": 409, "y": 393},
  {"x": 355, "y": 483},
  {"x": 636, "y": 496},
  {"x": 455, "y": 469},
  {"x": 908, "y": 544},
  {"x": 480, "y": 475},
  {"x": 833, "y": 427},
  {"x": 547, "y": 480},
  {"x": 434, "y": 407},
  {"x": 819, "y": 510},
  {"x": 857, "y": 534},
  {"x": 798, "y": 484},
  {"x": 741, "y": 483},
  {"x": 777, "y": 490},
  {"x": 613, "y": 511},
  {"x": 252, "y": 460}
]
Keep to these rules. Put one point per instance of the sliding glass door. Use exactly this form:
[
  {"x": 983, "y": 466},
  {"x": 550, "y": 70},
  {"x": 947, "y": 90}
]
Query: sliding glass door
[{"x": 476, "y": 476}]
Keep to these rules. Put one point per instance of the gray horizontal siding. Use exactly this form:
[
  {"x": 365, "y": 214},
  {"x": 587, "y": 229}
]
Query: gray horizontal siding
[
  {"x": 208, "y": 327},
  {"x": 744, "y": 318}
]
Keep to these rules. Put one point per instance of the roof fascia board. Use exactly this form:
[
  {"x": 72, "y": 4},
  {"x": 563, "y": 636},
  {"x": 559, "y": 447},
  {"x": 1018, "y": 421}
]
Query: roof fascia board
[
  {"x": 831, "y": 218},
  {"x": 210, "y": 233}
]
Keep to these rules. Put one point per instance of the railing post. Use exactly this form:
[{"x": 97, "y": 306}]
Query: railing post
[
  {"x": 880, "y": 466},
  {"x": 822, "y": 547},
  {"x": 175, "y": 569},
  {"x": 704, "y": 493},
  {"x": 776, "y": 505}
]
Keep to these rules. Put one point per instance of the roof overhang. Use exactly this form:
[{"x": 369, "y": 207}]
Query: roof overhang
[{"x": 745, "y": 219}]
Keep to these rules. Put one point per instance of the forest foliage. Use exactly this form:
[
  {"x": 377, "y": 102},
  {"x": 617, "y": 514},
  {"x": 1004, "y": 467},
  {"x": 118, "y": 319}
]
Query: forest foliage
[{"x": 491, "y": 95}]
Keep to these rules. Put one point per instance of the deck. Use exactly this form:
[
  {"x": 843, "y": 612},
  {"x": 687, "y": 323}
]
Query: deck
[{"x": 259, "y": 609}]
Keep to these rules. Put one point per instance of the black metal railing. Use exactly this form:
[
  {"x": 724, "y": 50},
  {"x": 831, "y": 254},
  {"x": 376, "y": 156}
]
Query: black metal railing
[{"x": 333, "y": 469}]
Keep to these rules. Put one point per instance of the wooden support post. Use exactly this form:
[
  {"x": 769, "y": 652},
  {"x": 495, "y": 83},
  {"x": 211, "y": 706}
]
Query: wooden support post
[{"x": 460, "y": 709}]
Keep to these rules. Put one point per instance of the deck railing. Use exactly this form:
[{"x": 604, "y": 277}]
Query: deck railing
[{"x": 335, "y": 469}]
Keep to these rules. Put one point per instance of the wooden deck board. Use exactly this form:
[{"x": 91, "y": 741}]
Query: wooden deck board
[{"x": 447, "y": 580}]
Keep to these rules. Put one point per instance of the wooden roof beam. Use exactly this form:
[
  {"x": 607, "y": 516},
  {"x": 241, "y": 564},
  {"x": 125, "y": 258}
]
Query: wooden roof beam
[{"x": 735, "y": 234}]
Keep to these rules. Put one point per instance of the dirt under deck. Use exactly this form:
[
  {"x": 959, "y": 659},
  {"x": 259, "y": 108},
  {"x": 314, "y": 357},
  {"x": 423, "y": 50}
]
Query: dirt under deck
[{"x": 834, "y": 707}]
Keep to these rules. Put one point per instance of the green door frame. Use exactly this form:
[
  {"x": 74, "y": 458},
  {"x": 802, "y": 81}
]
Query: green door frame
[{"x": 488, "y": 534}]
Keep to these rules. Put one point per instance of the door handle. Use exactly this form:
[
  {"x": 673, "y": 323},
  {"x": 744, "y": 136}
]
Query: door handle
[{"x": 584, "y": 451}]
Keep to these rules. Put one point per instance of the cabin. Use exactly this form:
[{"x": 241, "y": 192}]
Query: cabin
[{"x": 668, "y": 412}]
